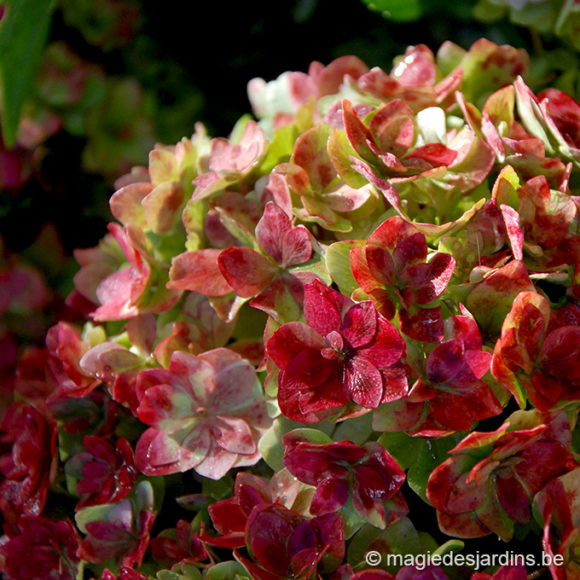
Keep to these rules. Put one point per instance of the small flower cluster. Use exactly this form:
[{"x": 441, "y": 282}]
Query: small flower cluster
[{"x": 367, "y": 296}]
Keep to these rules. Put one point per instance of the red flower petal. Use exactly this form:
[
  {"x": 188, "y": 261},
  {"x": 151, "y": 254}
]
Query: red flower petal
[
  {"x": 290, "y": 340},
  {"x": 360, "y": 324},
  {"x": 387, "y": 348},
  {"x": 330, "y": 495},
  {"x": 323, "y": 307},
  {"x": 363, "y": 382}
]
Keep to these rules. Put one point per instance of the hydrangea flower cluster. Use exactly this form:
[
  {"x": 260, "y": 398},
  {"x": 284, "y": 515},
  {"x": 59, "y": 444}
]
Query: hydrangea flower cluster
[{"x": 360, "y": 307}]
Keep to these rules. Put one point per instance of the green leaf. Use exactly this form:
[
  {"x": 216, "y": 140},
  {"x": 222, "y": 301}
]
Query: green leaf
[
  {"x": 23, "y": 35},
  {"x": 358, "y": 430},
  {"x": 338, "y": 265},
  {"x": 270, "y": 445},
  {"x": 451, "y": 546},
  {"x": 433, "y": 452},
  {"x": 404, "y": 448},
  {"x": 167, "y": 575},
  {"x": 399, "y": 540},
  {"x": 399, "y": 10},
  {"x": 226, "y": 571},
  {"x": 182, "y": 571},
  {"x": 280, "y": 149}
]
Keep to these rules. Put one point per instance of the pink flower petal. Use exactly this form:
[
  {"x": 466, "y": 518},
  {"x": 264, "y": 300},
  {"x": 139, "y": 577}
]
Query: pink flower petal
[
  {"x": 158, "y": 453},
  {"x": 233, "y": 434},
  {"x": 271, "y": 229},
  {"x": 296, "y": 247}
]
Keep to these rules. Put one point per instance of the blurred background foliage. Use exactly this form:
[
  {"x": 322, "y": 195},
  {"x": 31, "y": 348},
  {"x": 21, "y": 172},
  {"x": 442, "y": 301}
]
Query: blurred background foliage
[{"x": 87, "y": 88}]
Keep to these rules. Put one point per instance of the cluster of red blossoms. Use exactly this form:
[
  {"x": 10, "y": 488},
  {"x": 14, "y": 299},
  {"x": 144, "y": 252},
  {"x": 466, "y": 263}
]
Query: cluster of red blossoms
[{"x": 364, "y": 300}]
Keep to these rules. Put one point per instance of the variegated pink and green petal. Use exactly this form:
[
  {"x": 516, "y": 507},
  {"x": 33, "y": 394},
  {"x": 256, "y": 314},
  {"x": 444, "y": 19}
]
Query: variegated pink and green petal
[
  {"x": 475, "y": 159},
  {"x": 524, "y": 329},
  {"x": 186, "y": 373},
  {"x": 310, "y": 153},
  {"x": 165, "y": 406},
  {"x": 530, "y": 165},
  {"x": 108, "y": 360},
  {"x": 560, "y": 112},
  {"x": 385, "y": 187},
  {"x": 514, "y": 231},
  {"x": 126, "y": 203},
  {"x": 161, "y": 453},
  {"x": 67, "y": 349},
  {"x": 226, "y": 158},
  {"x": 343, "y": 198},
  {"x": 450, "y": 490},
  {"x": 116, "y": 294},
  {"x": 231, "y": 220},
  {"x": 357, "y": 133},
  {"x": 492, "y": 515},
  {"x": 372, "y": 267},
  {"x": 282, "y": 299},
  {"x": 479, "y": 444},
  {"x": 465, "y": 525},
  {"x": 397, "y": 415},
  {"x": 291, "y": 180},
  {"x": 545, "y": 214},
  {"x": 492, "y": 298},
  {"x": 487, "y": 67},
  {"x": 235, "y": 386},
  {"x": 161, "y": 207},
  {"x": 392, "y": 127},
  {"x": 493, "y": 138},
  {"x": 558, "y": 507},
  {"x": 198, "y": 271},
  {"x": 218, "y": 461},
  {"x": 416, "y": 67}
]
